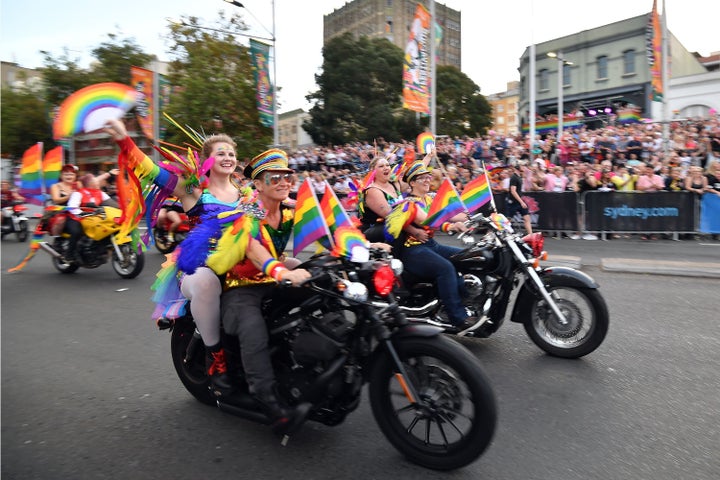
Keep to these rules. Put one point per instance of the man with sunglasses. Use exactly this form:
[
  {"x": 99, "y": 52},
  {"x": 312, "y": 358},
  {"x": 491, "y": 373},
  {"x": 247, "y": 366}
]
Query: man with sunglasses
[{"x": 248, "y": 282}]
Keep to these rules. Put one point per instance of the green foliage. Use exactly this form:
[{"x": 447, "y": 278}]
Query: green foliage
[
  {"x": 360, "y": 96},
  {"x": 359, "y": 91},
  {"x": 114, "y": 59},
  {"x": 25, "y": 121},
  {"x": 216, "y": 86}
]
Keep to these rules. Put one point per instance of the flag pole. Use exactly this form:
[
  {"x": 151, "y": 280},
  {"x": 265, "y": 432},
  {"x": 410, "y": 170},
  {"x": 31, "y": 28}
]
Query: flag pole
[
  {"x": 433, "y": 71},
  {"x": 665, "y": 82},
  {"x": 487, "y": 179}
]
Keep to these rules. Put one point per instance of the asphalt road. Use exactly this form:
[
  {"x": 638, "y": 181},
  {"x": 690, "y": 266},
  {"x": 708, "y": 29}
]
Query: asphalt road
[{"x": 88, "y": 389}]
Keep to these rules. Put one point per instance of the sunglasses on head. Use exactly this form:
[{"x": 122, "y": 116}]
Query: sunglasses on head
[{"x": 274, "y": 178}]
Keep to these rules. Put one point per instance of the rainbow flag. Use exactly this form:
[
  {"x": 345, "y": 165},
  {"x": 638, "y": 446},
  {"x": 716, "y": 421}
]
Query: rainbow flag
[
  {"x": 334, "y": 214},
  {"x": 30, "y": 175},
  {"x": 309, "y": 224},
  {"x": 445, "y": 205},
  {"x": 51, "y": 165},
  {"x": 476, "y": 193}
]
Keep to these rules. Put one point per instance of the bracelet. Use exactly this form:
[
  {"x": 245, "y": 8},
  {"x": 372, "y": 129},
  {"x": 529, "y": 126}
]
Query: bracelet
[
  {"x": 273, "y": 268},
  {"x": 445, "y": 227}
]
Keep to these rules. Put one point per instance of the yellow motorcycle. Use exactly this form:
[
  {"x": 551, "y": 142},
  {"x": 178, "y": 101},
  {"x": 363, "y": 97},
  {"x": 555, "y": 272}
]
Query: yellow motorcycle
[{"x": 99, "y": 243}]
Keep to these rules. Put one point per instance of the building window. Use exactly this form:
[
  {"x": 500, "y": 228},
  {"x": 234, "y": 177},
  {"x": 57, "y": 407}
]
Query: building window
[
  {"x": 501, "y": 120},
  {"x": 544, "y": 80},
  {"x": 501, "y": 108},
  {"x": 629, "y": 62},
  {"x": 602, "y": 67},
  {"x": 567, "y": 79}
]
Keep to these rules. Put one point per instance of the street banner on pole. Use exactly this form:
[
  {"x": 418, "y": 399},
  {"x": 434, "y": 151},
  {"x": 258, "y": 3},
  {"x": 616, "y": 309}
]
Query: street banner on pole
[
  {"x": 654, "y": 53},
  {"x": 141, "y": 80},
  {"x": 260, "y": 54},
  {"x": 416, "y": 95}
]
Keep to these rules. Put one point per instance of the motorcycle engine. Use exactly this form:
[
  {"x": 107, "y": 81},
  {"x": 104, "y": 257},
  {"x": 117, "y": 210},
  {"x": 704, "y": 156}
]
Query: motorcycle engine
[
  {"x": 473, "y": 285},
  {"x": 323, "y": 340},
  {"x": 92, "y": 253}
]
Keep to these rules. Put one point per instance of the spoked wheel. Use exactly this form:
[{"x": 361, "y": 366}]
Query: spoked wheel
[
  {"x": 453, "y": 420},
  {"x": 586, "y": 322},
  {"x": 189, "y": 361},
  {"x": 132, "y": 263}
]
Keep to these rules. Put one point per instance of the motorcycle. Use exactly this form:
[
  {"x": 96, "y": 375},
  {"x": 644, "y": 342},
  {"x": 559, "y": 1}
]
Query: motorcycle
[
  {"x": 428, "y": 393},
  {"x": 15, "y": 221},
  {"x": 560, "y": 308},
  {"x": 160, "y": 232},
  {"x": 97, "y": 245}
]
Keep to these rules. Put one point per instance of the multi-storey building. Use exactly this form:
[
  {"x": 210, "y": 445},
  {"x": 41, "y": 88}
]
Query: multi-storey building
[
  {"x": 291, "y": 135},
  {"x": 603, "y": 69},
  {"x": 392, "y": 19},
  {"x": 505, "y": 109}
]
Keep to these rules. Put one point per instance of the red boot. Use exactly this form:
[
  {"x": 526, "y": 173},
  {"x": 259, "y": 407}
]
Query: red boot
[{"x": 217, "y": 371}]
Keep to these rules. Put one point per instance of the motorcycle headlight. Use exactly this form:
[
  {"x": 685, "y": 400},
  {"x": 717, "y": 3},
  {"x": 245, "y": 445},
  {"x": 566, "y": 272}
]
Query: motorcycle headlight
[
  {"x": 355, "y": 291},
  {"x": 397, "y": 266}
]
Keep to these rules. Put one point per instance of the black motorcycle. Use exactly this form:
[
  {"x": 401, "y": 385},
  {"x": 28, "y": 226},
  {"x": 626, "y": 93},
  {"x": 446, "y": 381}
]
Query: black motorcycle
[
  {"x": 428, "y": 393},
  {"x": 561, "y": 308}
]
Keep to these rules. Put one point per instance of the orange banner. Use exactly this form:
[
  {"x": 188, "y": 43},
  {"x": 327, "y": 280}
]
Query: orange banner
[
  {"x": 416, "y": 67},
  {"x": 142, "y": 81}
]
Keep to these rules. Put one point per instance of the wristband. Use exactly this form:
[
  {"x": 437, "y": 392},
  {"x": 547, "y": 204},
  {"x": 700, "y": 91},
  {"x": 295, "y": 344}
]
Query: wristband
[
  {"x": 273, "y": 268},
  {"x": 445, "y": 227}
]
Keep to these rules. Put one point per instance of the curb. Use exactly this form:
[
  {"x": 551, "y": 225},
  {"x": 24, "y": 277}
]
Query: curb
[
  {"x": 683, "y": 269},
  {"x": 562, "y": 261}
]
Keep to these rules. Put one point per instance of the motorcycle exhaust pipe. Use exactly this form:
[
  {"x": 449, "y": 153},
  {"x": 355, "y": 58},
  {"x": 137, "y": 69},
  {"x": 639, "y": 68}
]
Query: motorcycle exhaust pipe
[
  {"x": 246, "y": 408},
  {"x": 420, "y": 311},
  {"x": 46, "y": 246}
]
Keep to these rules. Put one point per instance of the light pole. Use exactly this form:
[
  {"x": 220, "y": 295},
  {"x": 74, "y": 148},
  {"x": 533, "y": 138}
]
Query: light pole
[
  {"x": 561, "y": 70},
  {"x": 276, "y": 131}
]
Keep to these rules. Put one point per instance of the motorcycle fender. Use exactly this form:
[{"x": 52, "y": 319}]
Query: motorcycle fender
[
  {"x": 408, "y": 331},
  {"x": 551, "y": 277},
  {"x": 416, "y": 330}
]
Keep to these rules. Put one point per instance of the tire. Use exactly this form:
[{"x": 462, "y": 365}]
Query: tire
[
  {"x": 588, "y": 322},
  {"x": 133, "y": 264},
  {"x": 22, "y": 234},
  {"x": 450, "y": 380},
  {"x": 64, "y": 267},
  {"x": 192, "y": 374},
  {"x": 161, "y": 242}
]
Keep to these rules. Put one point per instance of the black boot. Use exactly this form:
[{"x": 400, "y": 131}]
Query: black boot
[
  {"x": 283, "y": 419},
  {"x": 217, "y": 371}
]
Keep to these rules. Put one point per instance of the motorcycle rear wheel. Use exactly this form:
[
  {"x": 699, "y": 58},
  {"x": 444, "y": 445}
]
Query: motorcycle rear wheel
[
  {"x": 64, "y": 267},
  {"x": 456, "y": 420},
  {"x": 192, "y": 372},
  {"x": 587, "y": 322},
  {"x": 133, "y": 264},
  {"x": 161, "y": 242}
]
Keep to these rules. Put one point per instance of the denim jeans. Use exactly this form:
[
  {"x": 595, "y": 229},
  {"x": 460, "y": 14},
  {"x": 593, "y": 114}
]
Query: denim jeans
[{"x": 430, "y": 261}]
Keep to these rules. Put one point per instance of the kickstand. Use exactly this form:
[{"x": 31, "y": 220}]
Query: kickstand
[{"x": 285, "y": 440}]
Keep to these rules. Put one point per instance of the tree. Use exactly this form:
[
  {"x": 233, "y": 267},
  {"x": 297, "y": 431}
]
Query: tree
[
  {"x": 61, "y": 77},
  {"x": 114, "y": 59},
  {"x": 461, "y": 108},
  {"x": 359, "y": 91},
  {"x": 25, "y": 121},
  {"x": 215, "y": 88}
]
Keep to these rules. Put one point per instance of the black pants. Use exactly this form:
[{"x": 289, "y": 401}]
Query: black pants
[
  {"x": 242, "y": 316},
  {"x": 74, "y": 228}
]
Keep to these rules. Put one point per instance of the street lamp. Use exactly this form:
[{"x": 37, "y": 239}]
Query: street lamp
[
  {"x": 276, "y": 130},
  {"x": 561, "y": 65}
]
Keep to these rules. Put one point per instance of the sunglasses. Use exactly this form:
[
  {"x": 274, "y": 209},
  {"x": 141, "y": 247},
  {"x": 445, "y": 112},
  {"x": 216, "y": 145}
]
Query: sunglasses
[{"x": 274, "y": 179}]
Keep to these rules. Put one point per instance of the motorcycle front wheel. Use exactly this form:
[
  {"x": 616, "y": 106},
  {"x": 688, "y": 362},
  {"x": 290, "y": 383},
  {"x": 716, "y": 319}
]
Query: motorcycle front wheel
[
  {"x": 453, "y": 421},
  {"x": 587, "y": 321},
  {"x": 131, "y": 265}
]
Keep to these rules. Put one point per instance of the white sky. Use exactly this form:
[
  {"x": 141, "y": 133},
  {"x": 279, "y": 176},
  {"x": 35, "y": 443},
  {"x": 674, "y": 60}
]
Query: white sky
[{"x": 494, "y": 33}]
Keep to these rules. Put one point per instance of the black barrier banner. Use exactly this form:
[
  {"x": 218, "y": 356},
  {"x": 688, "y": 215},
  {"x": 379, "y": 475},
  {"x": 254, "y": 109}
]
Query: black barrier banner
[
  {"x": 640, "y": 212},
  {"x": 548, "y": 210}
]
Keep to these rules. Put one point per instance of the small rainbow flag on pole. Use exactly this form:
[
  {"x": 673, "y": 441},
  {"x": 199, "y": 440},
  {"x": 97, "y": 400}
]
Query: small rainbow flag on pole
[
  {"x": 445, "y": 205},
  {"x": 476, "y": 193},
  {"x": 309, "y": 224},
  {"x": 334, "y": 214},
  {"x": 51, "y": 165},
  {"x": 31, "y": 174}
]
